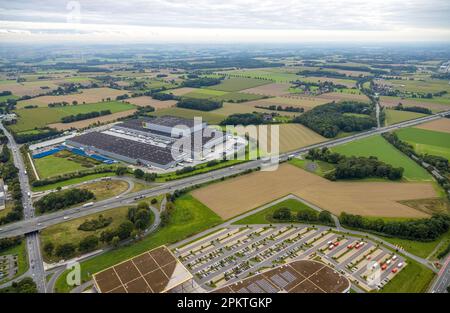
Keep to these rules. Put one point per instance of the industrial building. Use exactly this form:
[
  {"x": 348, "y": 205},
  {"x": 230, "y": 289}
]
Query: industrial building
[
  {"x": 155, "y": 271},
  {"x": 160, "y": 141}
]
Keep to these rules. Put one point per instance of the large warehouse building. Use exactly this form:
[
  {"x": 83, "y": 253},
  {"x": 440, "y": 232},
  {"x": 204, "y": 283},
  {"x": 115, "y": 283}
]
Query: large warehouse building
[
  {"x": 152, "y": 141},
  {"x": 304, "y": 276}
]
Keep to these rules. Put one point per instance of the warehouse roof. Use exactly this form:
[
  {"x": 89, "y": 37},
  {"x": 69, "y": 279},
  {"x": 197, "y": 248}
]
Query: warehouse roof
[
  {"x": 154, "y": 271},
  {"x": 125, "y": 147},
  {"x": 297, "y": 277}
]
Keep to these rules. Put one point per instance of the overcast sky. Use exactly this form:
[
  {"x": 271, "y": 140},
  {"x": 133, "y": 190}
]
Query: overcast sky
[{"x": 222, "y": 21}]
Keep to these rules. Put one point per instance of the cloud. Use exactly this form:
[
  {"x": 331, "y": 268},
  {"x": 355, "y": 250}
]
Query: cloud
[{"x": 428, "y": 19}]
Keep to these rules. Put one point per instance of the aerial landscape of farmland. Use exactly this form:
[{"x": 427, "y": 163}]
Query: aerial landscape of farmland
[{"x": 150, "y": 147}]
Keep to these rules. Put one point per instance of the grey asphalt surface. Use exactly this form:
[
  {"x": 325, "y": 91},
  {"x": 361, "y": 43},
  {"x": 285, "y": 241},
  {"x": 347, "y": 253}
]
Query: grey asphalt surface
[
  {"x": 41, "y": 222},
  {"x": 31, "y": 225},
  {"x": 443, "y": 279},
  {"x": 36, "y": 270}
]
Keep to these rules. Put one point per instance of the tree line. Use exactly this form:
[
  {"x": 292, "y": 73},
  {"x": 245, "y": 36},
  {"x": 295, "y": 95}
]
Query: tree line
[
  {"x": 199, "y": 104},
  {"x": 354, "y": 167},
  {"x": 425, "y": 229},
  {"x": 84, "y": 116},
  {"x": 330, "y": 119},
  {"x": 417, "y": 109},
  {"x": 62, "y": 199},
  {"x": 284, "y": 214}
]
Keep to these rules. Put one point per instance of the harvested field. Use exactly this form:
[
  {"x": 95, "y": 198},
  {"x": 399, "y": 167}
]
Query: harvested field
[
  {"x": 393, "y": 101},
  {"x": 146, "y": 100},
  {"x": 441, "y": 125},
  {"x": 292, "y": 137},
  {"x": 29, "y": 88},
  {"x": 88, "y": 122},
  {"x": 364, "y": 198},
  {"x": 181, "y": 91},
  {"x": 238, "y": 83},
  {"x": 273, "y": 90},
  {"x": 85, "y": 96},
  {"x": 343, "y": 96}
]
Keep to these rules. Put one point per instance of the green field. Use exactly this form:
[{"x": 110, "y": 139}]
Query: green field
[
  {"x": 265, "y": 216},
  {"x": 427, "y": 141},
  {"x": 424, "y": 86},
  {"x": 396, "y": 116},
  {"x": 422, "y": 249},
  {"x": 414, "y": 278},
  {"x": 201, "y": 93},
  {"x": 189, "y": 217},
  {"x": 40, "y": 117},
  {"x": 22, "y": 261},
  {"x": 379, "y": 147},
  {"x": 62, "y": 163},
  {"x": 238, "y": 83},
  {"x": 209, "y": 117},
  {"x": 275, "y": 75},
  {"x": 4, "y": 98},
  {"x": 317, "y": 167},
  {"x": 72, "y": 181}
]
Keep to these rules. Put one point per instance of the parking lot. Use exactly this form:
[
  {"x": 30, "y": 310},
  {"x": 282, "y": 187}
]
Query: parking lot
[
  {"x": 8, "y": 266},
  {"x": 234, "y": 252}
]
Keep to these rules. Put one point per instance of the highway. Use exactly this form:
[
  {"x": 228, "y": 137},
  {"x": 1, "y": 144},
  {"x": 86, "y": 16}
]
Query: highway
[
  {"x": 443, "y": 279},
  {"x": 33, "y": 224},
  {"x": 36, "y": 269}
]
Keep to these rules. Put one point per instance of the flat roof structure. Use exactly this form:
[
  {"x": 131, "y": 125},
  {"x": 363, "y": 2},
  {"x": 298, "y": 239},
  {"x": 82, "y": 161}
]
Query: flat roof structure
[
  {"x": 124, "y": 147},
  {"x": 154, "y": 271},
  {"x": 303, "y": 276},
  {"x": 171, "y": 121}
]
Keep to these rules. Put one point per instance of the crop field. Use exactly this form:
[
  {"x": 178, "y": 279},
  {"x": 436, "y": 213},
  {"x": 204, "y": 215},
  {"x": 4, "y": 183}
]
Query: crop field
[
  {"x": 441, "y": 125},
  {"x": 424, "y": 86},
  {"x": 275, "y": 75},
  {"x": 435, "y": 104},
  {"x": 28, "y": 88},
  {"x": 384, "y": 151},
  {"x": 93, "y": 95},
  {"x": 238, "y": 83},
  {"x": 4, "y": 98},
  {"x": 219, "y": 95},
  {"x": 85, "y": 123},
  {"x": 40, "y": 117},
  {"x": 427, "y": 141},
  {"x": 241, "y": 194},
  {"x": 146, "y": 100},
  {"x": 209, "y": 117},
  {"x": 344, "y": 96},
  {"x": 272, "y": 90},
  {"x": 181, "y": 91},
  {"x": 396, "y": 116}
]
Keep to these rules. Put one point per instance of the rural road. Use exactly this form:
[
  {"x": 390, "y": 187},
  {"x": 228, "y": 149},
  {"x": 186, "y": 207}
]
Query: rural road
[{"x": 41, "y": 222}]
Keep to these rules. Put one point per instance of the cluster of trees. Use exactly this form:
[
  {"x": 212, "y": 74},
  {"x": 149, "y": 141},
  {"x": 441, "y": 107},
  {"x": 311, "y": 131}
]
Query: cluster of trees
[
  {"x": 84, "y": 116},
  {"x": 94, "y": 224},
  {"x": 6, "y": 243},
  {"x": 9, "y": 173},
  {"x": 138, "y": 219},
  {"x": 140, "y": 174},
  {"x": 416, "y": 109},
  {"x": 45, "y": 133},
  {"x": 3, "y": 138},
  {"x": 330, "y": 119},
  {"x": 122, "y": 97},
  {"x": 355, "y": 167},
  {"x": 62, "y": 199},
  {"x": 201, "y": 82},
  {"x": 243, "y": 119},
  {"x": 438, "y": 162},
  {"x": 199, "y": 104},
  {"x": 26, "y": 285},
  {"x": 426, "y": 229},
  {"x": 58, "y": 104},
  {"x": 162, "y": 96},
  {"x": 281, "y": 108},
  {"x": 285, "y": 215}
]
